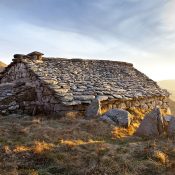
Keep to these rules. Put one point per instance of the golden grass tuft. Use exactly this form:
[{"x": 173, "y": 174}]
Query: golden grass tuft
[
  {"x": 40, "y": 147},
  {"x": 161, "y": 156}
]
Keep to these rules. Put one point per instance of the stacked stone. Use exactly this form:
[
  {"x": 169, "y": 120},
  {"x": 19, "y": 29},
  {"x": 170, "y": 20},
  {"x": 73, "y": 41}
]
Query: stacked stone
[
  {"x": 15, "y": 98},
  {"x": 69, "y": 85},
  {"x": 144, "y": 104}
]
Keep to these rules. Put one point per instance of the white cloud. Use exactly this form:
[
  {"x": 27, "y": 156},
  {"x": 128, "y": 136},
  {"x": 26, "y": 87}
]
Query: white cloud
[{"x": 168, "y": 16}]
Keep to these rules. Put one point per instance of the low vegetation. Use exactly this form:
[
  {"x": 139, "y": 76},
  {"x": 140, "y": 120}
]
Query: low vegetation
[{"x": 37, "y": 146}]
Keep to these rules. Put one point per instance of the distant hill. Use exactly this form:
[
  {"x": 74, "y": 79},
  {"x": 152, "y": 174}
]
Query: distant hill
[
  {"x": 2, "y": 66},
  {"x": 172, "y": 106},
  {"x": 169, "y": 85}
]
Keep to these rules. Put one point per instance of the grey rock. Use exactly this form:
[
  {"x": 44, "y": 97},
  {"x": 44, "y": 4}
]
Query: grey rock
[
  {"x": 94, "y": 109},
  {"x": 12, "y": 108},
  {"x": 152, "y": 125},
  {"x": 120, "y": 117},
  {"x": 84, "y": 97},
  {"x": 117, "y": 96},
  {"x": 75, "y": 102},
  {"x": 107, "y": 119},
  {"x": 171, "y": 127},
  {"x": 168, "y": 118},
  {"x": 102, "y": 98},
  {"x": 67, "y": 98}
]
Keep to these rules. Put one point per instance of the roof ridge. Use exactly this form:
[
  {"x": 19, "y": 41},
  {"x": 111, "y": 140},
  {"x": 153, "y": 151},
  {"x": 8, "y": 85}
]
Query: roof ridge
[{"x": 86, "y": 60}]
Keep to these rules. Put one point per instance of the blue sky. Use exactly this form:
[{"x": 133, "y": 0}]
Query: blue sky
[{"x": 138, "y": 31}]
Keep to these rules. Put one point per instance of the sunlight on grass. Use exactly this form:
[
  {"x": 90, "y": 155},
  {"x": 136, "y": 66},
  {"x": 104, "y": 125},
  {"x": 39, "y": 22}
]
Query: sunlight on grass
[
  {"x": 21, "y": 148},
  {"x": 78, "y": 142},
  {"x": 40, "y": 147}
]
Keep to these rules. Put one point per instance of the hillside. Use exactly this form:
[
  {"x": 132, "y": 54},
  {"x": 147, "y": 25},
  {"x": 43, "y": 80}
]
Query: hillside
[
  {"x": 172, "y": 106},
  {"x": 2, "y": 65},
  {"x": 37, "y": 146},
  {"x": 169, "y": 85}
]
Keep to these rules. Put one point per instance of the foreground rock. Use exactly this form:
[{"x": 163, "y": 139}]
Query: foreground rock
[
  {"x": 171, "y": 127},
  {"x": 118, "y": 116},
  {"x": 152, "y": 124},
  {"x": 94, "y": 109}
]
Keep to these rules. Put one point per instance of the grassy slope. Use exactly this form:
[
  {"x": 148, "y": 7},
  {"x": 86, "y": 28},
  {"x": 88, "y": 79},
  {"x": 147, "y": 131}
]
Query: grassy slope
[{"x": 78, "y": 147}]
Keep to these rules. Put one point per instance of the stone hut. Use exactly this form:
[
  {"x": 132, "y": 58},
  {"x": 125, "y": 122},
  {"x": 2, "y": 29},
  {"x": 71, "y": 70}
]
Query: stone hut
[{"x": 33, "y": 84}]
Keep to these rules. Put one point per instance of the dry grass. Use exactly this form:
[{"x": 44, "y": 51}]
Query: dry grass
[{"x": 35, "y": 146}]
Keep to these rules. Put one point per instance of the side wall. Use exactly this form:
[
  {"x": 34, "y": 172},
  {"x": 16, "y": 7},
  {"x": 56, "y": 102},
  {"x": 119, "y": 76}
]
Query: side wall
[
  {"x": 142, "y": 104},
  {"x": 46, "y": 101}
]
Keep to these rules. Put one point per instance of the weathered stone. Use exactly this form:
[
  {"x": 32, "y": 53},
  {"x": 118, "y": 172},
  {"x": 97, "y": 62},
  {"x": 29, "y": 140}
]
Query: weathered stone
[
  {"x": 171, "y": 127},
  {"x": 152, "y": 124},
  {"x": 75, "y": 102},
  {"x": 168, "y": 118},
  {"x": 67, "y": 98},
  {"x": 84, "y": 97},
  {"x": 120, "y": 117},
  {"x": 102, "y": 98},
  {"x": 12, "y": 108},
  {"x": 61, "y": 91},
  {"x": 122, "y": 106},
  {"x": 107, "y": 119},
  {"x": 117, "y": 96},
  {"x": 94, "y": 109}
]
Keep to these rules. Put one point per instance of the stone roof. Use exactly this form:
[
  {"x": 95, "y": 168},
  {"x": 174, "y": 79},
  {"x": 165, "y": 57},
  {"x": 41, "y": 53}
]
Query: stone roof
[{"x": 79, "y": 81}]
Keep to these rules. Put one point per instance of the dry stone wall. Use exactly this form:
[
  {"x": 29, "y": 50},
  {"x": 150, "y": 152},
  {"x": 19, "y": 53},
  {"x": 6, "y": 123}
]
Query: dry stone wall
[
  {"x": 17, "y": 97},
  {"x": 45, "y": 101},
  {"x": 143, "y": 104},
  {"x": 54, "y": 90}
]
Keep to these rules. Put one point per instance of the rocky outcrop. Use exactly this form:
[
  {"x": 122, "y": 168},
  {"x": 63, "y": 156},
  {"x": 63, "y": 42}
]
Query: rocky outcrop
[
  {"x": 152, "y": 124},
  {"x": 119, "y": 117}
]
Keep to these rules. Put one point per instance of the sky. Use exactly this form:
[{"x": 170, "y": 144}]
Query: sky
[{"x": 141, "y": 32}]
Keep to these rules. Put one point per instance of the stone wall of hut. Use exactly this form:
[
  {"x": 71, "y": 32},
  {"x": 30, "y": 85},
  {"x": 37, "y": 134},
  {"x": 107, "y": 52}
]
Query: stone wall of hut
[
  {"x": 22, "y": 90},
  {"x": 143, "y": 104}
]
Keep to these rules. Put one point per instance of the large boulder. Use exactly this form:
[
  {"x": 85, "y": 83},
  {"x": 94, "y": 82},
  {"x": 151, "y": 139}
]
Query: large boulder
[
  {"x": 152, "y": 125},
  {"x": 118, "y": 116},
  {"x": 171, "y": 127}
]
